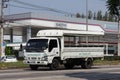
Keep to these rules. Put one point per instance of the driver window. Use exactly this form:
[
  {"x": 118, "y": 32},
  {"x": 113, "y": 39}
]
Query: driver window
[{"x": 52, "y": 44}]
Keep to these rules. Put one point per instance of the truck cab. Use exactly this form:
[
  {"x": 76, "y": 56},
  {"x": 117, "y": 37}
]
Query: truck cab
[{"x": 41, "y": 51}]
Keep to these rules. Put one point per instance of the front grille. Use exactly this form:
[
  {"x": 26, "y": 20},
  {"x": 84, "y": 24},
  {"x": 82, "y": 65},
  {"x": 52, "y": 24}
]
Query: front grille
[{"x": 33, "y": 58}]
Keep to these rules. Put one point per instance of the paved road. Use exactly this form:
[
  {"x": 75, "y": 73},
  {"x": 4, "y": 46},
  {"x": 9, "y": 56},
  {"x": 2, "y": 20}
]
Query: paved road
[{"x": 97, "y": 73}]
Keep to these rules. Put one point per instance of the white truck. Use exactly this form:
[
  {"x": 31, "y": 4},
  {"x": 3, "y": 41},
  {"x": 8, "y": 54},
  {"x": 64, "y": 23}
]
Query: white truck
[{"x": 49, "y": 49}]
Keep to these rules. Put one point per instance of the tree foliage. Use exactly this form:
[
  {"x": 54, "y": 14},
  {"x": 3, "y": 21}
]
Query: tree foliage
[
  {"x": 113, "y": 7},
  {"x": 99, "y": 15},
  {"x": 8, "y": 51},
  {"x": 90, "y": 15},
  {"x": 82, "y": 16},
  {"x": 94, "y": 17},
  {"x": 78, "y": 15}
]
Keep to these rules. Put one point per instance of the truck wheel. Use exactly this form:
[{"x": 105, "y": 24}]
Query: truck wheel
[
  {"x": 33, "y": 67},
  {"x": 87, "y": 64},
  {"x": 55, "y": 64},
  {"x": 69, "y": 66}
]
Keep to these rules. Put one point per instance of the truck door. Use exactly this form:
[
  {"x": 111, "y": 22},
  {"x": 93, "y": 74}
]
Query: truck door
[{"x": 53, "y": 47}]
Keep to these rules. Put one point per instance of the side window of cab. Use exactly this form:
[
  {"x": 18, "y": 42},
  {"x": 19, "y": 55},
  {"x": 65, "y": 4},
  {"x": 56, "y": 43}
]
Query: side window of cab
[{"x": 52, "y": 44}]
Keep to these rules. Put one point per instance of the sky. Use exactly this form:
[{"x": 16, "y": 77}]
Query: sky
[{"x": 71, "y": 6}]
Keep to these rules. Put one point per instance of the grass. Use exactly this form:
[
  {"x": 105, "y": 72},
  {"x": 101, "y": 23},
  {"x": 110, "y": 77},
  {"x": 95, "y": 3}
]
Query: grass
[
  {"x": 107, "y": 62},
  {"x": 20, "y": 64}
]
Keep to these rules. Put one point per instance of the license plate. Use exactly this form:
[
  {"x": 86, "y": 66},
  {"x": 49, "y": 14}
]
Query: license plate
[{"x": 32, "y": 61}]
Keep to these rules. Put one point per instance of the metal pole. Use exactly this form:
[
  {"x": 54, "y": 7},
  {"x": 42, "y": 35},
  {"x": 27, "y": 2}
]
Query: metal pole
[
  {"x": 118, "y": 32},
  {"x": 118, "y": 38},
  {"x": 1, "y": 28},
  {"x": 86, "y": 15},
  {"x": 86, "y": 20}
]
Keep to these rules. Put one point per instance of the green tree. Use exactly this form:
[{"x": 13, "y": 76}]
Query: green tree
[
  {"x": 8, "y": 51},
  {"x": 105, "y": 17},
  {"x": 113, "y": 7},
  {"x": 94, "y": 17},
  {"x": 99, "y": 15},
  {"x": 110, "y": 18},
  {"x": 83, "y": 16},
  {"x": 90, "y": 15},
  {"x": 78, "y": 15}
]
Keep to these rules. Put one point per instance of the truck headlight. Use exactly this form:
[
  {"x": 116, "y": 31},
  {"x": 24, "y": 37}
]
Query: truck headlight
[
  {"x": 25, "y": 58},
  {"x": 45, "y": 58},
  {"x": 28, "y": 58},
  {"x": 39, "y": 58}
]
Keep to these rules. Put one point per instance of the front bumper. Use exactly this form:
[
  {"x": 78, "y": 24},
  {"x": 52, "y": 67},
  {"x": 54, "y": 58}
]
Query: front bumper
[{"x": 35, "y": 62}]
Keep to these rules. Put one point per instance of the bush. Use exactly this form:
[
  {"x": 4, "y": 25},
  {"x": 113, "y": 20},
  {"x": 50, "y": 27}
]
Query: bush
[
  {"x": 13, "y": 65},
  {"x": 111, "y": 58},
  {"x": 9, "y": 51}
]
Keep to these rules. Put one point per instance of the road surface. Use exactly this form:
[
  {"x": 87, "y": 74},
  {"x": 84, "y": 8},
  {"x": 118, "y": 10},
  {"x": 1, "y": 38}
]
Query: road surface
[{"x": 96, "y": 73}]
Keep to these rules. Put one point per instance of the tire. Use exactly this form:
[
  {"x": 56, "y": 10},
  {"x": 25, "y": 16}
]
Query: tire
[
  {"x": 87, "y": 64},
  {"x": 69, "y": 66},
  {"x": 33, "y": 67},
  {"x": 55, "y": 64}
]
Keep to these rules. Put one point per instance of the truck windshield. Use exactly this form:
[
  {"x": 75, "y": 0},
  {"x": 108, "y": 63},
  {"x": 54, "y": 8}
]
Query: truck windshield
[{"x": 36, "y": 45}]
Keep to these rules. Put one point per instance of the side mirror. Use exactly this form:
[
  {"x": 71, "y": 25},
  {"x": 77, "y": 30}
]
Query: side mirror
[{"x": 21, "y": 47}]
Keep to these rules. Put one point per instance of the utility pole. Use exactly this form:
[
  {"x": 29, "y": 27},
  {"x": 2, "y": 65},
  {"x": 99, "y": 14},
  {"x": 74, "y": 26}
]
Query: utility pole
[
  {"x": 118, "y": 31},
  {"x": 86, "y": 20},
  {"x": 118, "y": 38},
  {"x": 86, "y": 15},
  {"x": 1, "y": 25}
]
